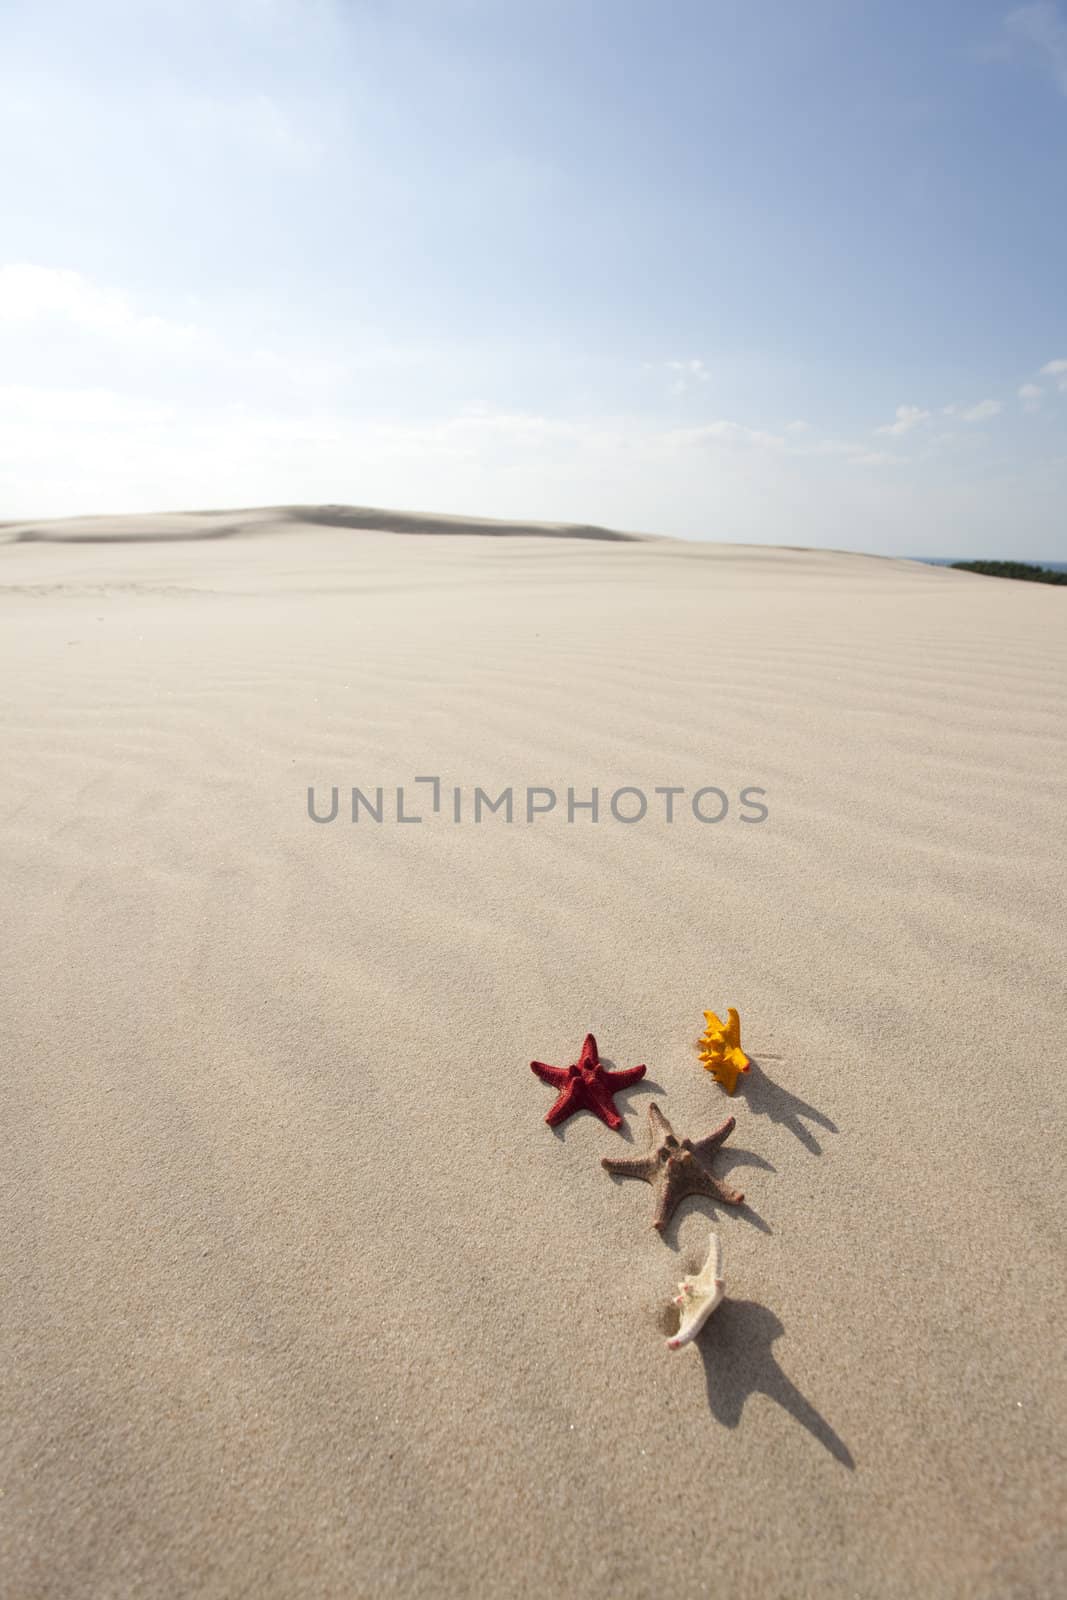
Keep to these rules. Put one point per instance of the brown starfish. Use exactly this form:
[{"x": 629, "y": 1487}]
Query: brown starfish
[{"x": 676, "y": 1167}]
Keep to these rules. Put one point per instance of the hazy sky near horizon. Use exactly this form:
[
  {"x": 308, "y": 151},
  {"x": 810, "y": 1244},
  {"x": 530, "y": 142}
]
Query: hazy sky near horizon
[{"x": 776, "y": 272}]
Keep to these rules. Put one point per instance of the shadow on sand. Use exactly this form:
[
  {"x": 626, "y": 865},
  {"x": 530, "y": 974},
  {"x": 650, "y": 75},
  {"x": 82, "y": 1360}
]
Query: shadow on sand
[
  {"x": 725, "y": 1162},
  {"x": 768, "y": 1099},
  {"x": 736, "y": 1349}
]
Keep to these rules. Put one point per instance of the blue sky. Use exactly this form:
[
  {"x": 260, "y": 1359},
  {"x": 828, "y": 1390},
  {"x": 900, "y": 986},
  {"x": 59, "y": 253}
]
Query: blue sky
[{"x": 776, "y": 272}]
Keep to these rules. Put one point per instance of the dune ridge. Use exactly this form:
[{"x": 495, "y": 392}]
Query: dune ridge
[{"x": 241, "y": 523}]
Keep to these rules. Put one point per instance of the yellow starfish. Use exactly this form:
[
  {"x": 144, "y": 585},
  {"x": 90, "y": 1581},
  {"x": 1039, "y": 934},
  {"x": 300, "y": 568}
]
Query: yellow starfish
[{"x": 720, "y": 1049}]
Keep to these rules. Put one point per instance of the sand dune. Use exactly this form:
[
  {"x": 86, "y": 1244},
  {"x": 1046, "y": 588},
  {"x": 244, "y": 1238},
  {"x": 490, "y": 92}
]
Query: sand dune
[
  {"x": 302, "y": 1298},
  {"x": 234, "y": 524}
]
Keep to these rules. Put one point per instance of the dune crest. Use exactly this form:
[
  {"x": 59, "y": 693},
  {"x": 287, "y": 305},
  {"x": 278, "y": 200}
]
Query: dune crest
[{"x": 158, "y": 527}]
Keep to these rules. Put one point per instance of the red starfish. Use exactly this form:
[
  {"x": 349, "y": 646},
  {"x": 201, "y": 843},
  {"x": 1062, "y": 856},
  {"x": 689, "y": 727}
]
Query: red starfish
[{"x": 586, "y": 1086}]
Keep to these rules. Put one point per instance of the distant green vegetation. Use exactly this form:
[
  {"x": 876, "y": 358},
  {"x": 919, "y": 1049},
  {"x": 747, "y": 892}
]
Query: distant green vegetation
[{"x": 1012, "y": 569}]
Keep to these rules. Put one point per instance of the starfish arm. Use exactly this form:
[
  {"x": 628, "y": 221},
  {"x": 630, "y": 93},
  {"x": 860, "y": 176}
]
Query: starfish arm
[
  {"x": 699, "y": 1181},
  {"x": 556, "y": 1076},
  {"x": 644, "y": 1167},
  {"x": 705, "y": 1148},
  {"x": 563, "y": 1108},
  {"x": 658, "y": 1123},
  {"x": 589, "y": 1056},
  {"x": 711, "y": 1272},
  {"x": 723, "y": 1073},
  {"x": 597, "y": 1099},
  {"x": 697, "y": 1307},
  {"x": 625, "y": 1077},
  {"x": 667, "y": 1197}
]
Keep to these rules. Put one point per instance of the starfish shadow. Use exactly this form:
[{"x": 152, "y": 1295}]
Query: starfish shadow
[
  {"x": 712, "y": 1209},
  {"x": 736, "y": 1349},
  {"x": 768, "y": 1099},
  {"x": 728, "y": 1158},
  {"x": 747, "y": 1158},
  {"x": 645, "y": 1085}
]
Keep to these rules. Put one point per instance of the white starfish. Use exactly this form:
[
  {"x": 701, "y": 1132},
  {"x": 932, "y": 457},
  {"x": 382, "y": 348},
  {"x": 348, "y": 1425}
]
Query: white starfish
[{"x": 699, "y": 1296}]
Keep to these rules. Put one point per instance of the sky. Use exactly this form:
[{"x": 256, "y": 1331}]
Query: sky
[{"x": 762, "y": 271}]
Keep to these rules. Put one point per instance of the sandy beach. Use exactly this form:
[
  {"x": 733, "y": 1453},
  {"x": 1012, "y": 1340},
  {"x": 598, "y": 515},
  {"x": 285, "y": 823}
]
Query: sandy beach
[{"x": 302, "y": 1298}]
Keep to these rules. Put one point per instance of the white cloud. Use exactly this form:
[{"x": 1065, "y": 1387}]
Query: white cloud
[
  {"x": 61, "y": 329},
  {"x": 1043, "y": 29},
  {"x": 687, "y": 375},
  {"x": 982, "y": 411},
  {"x": 73, "y": 450},
  {"x": 723, "y": 432},
  {"x": 907, "y": 417},
  {"x": 1030, "y": 395},
  {"x": 737, "y": 437},
  {"x": 827, "y": 447},
  {"x": 618, "y": 471},
  {"x": 106, "y": 406},
  {"x": 27, "y": 405},
  {"x": 32, "y": 294},
  {"x": 1057, "y": 370}
]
